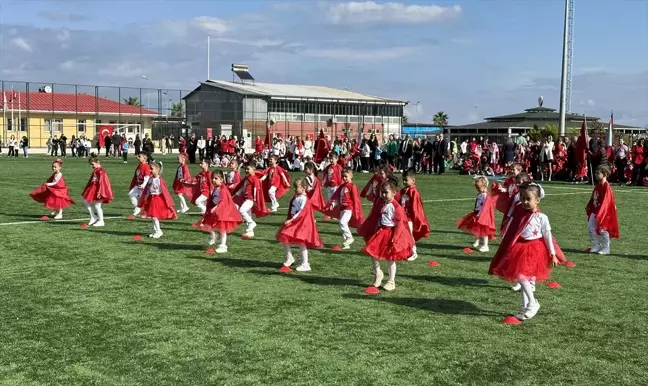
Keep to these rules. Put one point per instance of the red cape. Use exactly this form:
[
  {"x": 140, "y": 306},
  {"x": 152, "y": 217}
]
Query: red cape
[
  {"x": 357, "y": 216},
  {"x": 259, "y": 209},
  {"x": 607, "y": 215},
  {"x": 322, "y": 148},
  {"x": 180, "y": 187},
  {"x": 225, "y": 213},
  {"x": 486, "y": 217},
  {"x": 237, "y": 179},
  {"x": 280, "y": 180},
  {"x": 402, "y": 239},
  {"x": 315, "y": 196},
  {"x": 371, "y": 192},
  {"x": 147, "y": 172},
  {"x": 416, "y": 213},
  {"x": 197, "y": 188},
  {"x": 104, "y": 189},
  {"x": 59, "y": 190},
  {"x": 520, "y": 219},
  {"x": 168, "y": 200},
  {"x": 302, "y": 229}
]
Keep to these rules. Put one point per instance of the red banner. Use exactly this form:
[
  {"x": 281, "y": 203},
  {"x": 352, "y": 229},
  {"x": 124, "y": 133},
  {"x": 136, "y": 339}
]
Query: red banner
[
  {"x": 103, "y": 131},
  {"x": 209, "y": 132}
]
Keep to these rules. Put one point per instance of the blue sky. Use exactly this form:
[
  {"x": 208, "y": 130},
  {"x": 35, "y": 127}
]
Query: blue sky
[{"x": 472, "y": 59}]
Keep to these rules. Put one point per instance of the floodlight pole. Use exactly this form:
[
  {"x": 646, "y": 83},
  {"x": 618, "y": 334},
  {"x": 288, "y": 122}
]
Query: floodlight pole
[
  {"x": 208, "y": 54},
  {"x": 563, "y": 74}
]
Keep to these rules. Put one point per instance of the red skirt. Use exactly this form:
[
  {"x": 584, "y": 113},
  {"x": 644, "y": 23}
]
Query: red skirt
[
  {"x": 523, "y": 261},
  {"x": 90, "y": 194},
  {"x": 50, "y": 200},
  {"x": 470, "y": 224},
  {"x": 211, "y": 223},
  {"x": 381, "y": 246},
  {"x": 156, "y": 207}
]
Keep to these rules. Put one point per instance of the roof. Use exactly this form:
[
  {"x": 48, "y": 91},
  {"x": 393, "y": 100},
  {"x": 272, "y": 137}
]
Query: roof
[
  {"x": 69, "y": 103},
  {"x": 530, "y": 124},
  {"x": 297, "y": 92},
  {"x": 539, "y": 113}
]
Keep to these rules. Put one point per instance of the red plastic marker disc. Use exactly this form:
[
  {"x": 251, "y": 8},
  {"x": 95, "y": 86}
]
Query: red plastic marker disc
[
  {"x": 570, "y": 264},
  {"x": 44, "y": 218},
  {"x": 137, "y": 238},
  {"x": 130, "y": 217},
  {"x": 84, "y": 226},
  {"x": 371, "y": 290},
  {"x": 511, "y": 320},
  {"x": 467, "y": 250},
  {"x": 285, "y": 269},
  {"x": 553, "y": 284},
  {"x": 210, "y": 251},
  {"x": 433, "y": 263},
  {"x": 336, "y": 248}
]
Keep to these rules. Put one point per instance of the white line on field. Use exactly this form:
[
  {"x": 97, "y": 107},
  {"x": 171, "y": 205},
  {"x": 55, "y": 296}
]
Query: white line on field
[{"x": 66, "y": 220}]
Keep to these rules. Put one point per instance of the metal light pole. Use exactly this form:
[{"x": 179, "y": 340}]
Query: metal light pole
[
  {"x": 563, "y": 74},
  {"x": 148, "y": 95}
]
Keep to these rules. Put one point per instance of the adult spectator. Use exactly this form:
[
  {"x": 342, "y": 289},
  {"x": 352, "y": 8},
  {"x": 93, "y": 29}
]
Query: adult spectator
[
  {"x": 405, "y": 153},
  {"x": 201, "y": 144},
  {"x": 439, "y": 155},
  {"x": 546, "y": 157},
  {"x": 191, "y": 148},
  {"x": 138, "y": 145},
  {"x": 620, "y": 160},
  {"x": 638, "y": 155},
  {"x": 595, "y": 154},
  {"x": 509, "y": 151},
  {"x": 63, "y": 145}
]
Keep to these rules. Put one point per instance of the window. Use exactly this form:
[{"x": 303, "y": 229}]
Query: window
[
  {"x": 23, "y": 124},
  {"x": 10, "y": 124},
  {"x": 81, "y": 125},
  {"x": 53, "y": 124}
]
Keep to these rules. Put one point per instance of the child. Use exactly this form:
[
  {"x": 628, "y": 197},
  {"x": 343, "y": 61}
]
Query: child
[
  {"x": 481, "y": 221},
  {"x": 506, "y": 199},
  {"x": 601, "y": 211},
  {"x": 125, "y": 151},
  {"x": 510, "y": 181},
  {"x": 96, "y": 192},
  {"x": 387, "y": 235},
  {"x": 234, "y": 176},
  {"x": 313, "y": 188},
  {"x": 410, "y": 200},
  {"x": 180, "y": 187},
  {"x": 249, "y": 199},
  {"x": 139, "y": 181},
  {"x": 156, "y": 201},
  {"x": 276, "y": 183},
  {"x": 332, "y": 175},
  {"x": 371, "y": 191},
  {"x": 221, "y": 215},
  {"x": 299, "y": 228},
  {"x": 345, "y": 205},
  {"x": 528, "y": 250},
  {"x": 54, "y": 193},
  {"x": 202, "y": 186}
]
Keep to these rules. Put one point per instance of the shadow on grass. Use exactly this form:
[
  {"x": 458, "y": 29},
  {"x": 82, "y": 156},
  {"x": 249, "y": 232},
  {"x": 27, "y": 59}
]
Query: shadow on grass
[
  {"x": 440, "y": 306},
  {"x": 312, "y": 279},
  {"x": 241, "y": 263},
  {"x": 452, "y": 281},
  {"x": 467, "y": 257},
  {"x": 176, "y": 247}
]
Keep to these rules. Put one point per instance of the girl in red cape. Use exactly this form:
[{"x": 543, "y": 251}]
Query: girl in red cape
[
  {"x": 313, "y": 187},
  {"x": 345, "y": 205},
  {"x": 481, "y": 221},
  {"x": 410, "y": 200},
  {"x": 528, "y": 250},
  {"x": 97, "y": 191},
  {"x": 371, "y": 191},
  {"x": 180, "y": 188},
  {"x": 276, "y": 182},
  {"x": 299, "y": 228},
  {"x": 139, "y": 181},
  {"x": 221, "y": 217},
  {"x": 233, "y": 178},
  {"x": 249, "y": 199},
  {"x": 156, "y": 202},
  {"x": 387, "y": 235},
  {"x": 603, "y": 222},
  {"x": 332, "y": 177},
  {"x": 505, "y": 200},
  {"x": 54, "y": 193},
  {"x": 322, "y": 148},
  {"x": 202, "y": 187}
]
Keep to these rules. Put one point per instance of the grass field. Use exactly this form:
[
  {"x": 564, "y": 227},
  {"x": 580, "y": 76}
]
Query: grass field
[{"x": 91, "y": 306}]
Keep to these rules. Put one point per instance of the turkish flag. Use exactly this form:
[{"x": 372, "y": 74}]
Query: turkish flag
[{"x": 103, "y": 131}]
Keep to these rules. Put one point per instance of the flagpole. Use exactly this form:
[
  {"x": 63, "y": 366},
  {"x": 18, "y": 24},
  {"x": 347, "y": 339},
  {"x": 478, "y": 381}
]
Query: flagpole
[
  {"x": 12, "y": 109},
  {"x": 610, "y": 129},
  {"x": 19, "y": 114}
]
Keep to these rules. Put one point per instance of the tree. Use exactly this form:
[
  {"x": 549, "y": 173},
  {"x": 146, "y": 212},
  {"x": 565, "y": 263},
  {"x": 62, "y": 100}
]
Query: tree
[
  {"x": 543, "y": 132},
  {"x": 596, "y": 129},
  {"x": 440, "y": 119},
  {"x": 133, "y": 101},
  {"x": 404, "y": 119},
  {"x": 177, "y": 110}
]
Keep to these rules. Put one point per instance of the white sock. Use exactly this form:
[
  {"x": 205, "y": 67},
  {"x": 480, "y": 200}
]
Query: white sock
[
  {"x": 525, "y": 299},
  {"x": 223, "y": 239},
  {"x": 288, "y": 252},
  {"x": 376, "y": 265},
  {"x": 133, "y": 200},
  {"x": 89, "y": 208},
  {"x": 391, "y": 266},
  {"x": 485, "y": 241},
  {"x": 156, "y": 226},
  {"x": 200, "y": 203},
  {"x": 98, "y": 211},
  {"x": 303, "y": 251},
  {"x": 183, "y": 202},
  {"x": 528, "y": 290}
]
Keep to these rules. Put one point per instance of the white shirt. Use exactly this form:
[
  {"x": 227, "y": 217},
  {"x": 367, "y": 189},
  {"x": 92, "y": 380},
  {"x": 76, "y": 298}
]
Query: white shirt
[
  {"x": 215, "y": 196},
  {"x": 154, "y": 186},
  {"x": 310, "y": 179},
  {"x": 201, "y": 144},
  {"x": 230, "y": 177},
  {"x": 387, "y": 215},
  {"x": 404, "y": 200},
  {"x": 57, "y": 178},
  {"x": 366, "y": 151},
  {"x": 463, "y": 147},
  {"x": 479, "y": 203},
  {"x": 298, "y": 204}
]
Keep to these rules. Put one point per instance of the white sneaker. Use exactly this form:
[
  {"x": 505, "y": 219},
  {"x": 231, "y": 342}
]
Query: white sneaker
[
  {"x": 157, "y": 235},
  {"x": 151, "y": 235},
  {"x": 378, "y": 278},
  {"x": 98, "y": 224},
  {"x": 595, "y": 249},
  {"x": 53, "y": 213},
  {"x": 137, "y": 211},
  {"x": 290, "y": 260},
  {"x": 250, "y": 228},
  {"x": 517, "y": 287},
  {"x": 92, "y": 221},
  {"x": 604, "y": 251},
  {"x": 389, "y": 286},
  {"x": 274, "y": 209},
  {"x": 484, "y": 248},
  {"x": 347, "y": 244},
  {"x": 59, "y": 216},
  {"x": 476, "y": 243},
  {"x": 303, "y": 268},
  {"x": 249, "y": 235},
  {"x": 184, "y": 210},
  {"x": 413, "y": 257},
  {"x": 221, "y": 249},
  {"x": 531, "y": 310}
]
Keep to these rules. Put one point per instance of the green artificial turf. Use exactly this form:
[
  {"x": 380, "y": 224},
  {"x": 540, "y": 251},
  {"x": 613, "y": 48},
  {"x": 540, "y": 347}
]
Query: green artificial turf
[{"x": 91, "y": 306}]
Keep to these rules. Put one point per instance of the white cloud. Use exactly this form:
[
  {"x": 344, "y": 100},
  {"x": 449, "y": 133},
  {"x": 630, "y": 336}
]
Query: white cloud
[
  {"x": 22, "y": 44},
  {"x": 591, "y": 102},
  {"x": 255, "y": 43},
  {"x": 67, "y": 65},
  {"x": 212, "y": 24},
  {"x": 359, "y": 55},
  {"x": 125, "y": 69},
  {"x": 370, "y": 12}
]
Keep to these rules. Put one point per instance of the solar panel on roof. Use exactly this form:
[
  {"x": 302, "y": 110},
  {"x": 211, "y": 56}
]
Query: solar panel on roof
[{"x": 244, "y": 75}]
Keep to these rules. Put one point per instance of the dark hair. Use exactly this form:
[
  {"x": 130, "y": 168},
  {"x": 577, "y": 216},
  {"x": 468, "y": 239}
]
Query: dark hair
[
  {"x": 530, "y": 187},
  {"x": 310, "y": 165},
  {"x": 347, "y": 170},
  {"x": 409, "y": 174},
  {"x": 390, "y": 184},
  {"x": 94, "y": 160},
  {"x": 250, "y": 165},
  {"x": 522, "y": 177},
  {"x": 603, "y": 169},
  {"x": 334, "y": 154},
  {"x": 218, "y": 173}
]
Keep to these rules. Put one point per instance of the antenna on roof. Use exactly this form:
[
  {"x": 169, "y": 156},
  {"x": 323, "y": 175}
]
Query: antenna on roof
[{"x": 243, "y": 73}]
